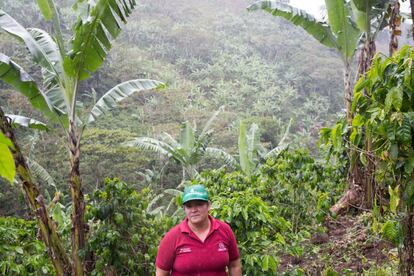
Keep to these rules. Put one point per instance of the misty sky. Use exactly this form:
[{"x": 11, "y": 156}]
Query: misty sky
[{"x": 315, "y": 7}]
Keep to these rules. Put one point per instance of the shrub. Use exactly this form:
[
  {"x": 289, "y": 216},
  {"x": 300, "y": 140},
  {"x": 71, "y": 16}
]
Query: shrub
[
  {"x": 124, "y": 237},
  {"x": 20, "y": 252}
]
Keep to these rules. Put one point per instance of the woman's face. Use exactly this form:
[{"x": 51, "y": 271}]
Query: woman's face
[{"x": 197, "y": 211}]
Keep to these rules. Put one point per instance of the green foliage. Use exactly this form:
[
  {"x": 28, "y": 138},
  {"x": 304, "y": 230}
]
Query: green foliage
[
  {"x": 387, "y": 116},
  {"x": 14, "y": 75},
  {"x": 273, "y": 210},
  {"x": 124, "y": 237},
  {"x": 391, "y": 230},
  {"x": 303, "y": 186},
  {"x": 21, "y": 253},
  {"x": 386, "y": 107},
  {"x": 188, "y": 150},
  {"x": 45, "y": 9},
  {"x": 257, "y": 226},
  {"x": 97, "y": 24}
]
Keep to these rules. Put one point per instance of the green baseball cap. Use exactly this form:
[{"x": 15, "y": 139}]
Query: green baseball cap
[{"x": 195, "y": 192}]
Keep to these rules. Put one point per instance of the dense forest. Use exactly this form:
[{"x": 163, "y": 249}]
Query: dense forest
[{"x": 300, "y": 129}]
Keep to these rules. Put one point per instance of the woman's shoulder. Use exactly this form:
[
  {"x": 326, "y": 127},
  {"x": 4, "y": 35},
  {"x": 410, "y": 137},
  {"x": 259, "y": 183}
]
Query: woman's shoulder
[
  {"x": 223, "y": 224},
  {"x": 174, "y": 230}
]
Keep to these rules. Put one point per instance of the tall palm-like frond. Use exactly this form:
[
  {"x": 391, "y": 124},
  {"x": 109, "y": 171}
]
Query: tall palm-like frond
[
  {"x": 188, "y": 150},
  {"x": 38, "y": 46},
  {"x": 282, "y": 145},
  {"x": 18, "y": 120},
  {"x": 228, "y": 159},
  {"x": 40, "y": 172},
  {"x": 121, "y": 91},
  {"x": 98, "y": 23},
  {"x": 150, "y": 144},
  {"x": 318, "y": 29},
  {"x": 14, "y": 75}
]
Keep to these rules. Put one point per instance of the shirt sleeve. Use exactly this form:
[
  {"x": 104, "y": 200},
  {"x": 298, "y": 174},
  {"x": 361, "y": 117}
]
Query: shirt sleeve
[
  {"x": 166, "y": 252},
  {"x": 233, "y": 249}
]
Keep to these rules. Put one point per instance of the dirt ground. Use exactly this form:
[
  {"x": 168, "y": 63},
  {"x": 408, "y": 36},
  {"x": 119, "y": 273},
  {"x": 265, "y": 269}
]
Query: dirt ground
[{"x": 345, "y": 247}]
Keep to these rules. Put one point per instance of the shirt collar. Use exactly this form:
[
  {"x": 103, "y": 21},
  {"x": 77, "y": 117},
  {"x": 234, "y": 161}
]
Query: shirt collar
[{"x": 184, "y": 228}]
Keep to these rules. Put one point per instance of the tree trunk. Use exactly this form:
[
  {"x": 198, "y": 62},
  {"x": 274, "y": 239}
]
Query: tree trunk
[
  {"x": 365, "y": 58},
  {"x": 368, "y": 187},
  {"x": 406, "y": 254},
  {"x": 360, "y": 184},
  {"x": 78, "y": 202},
  {"x": 352, "y": 196},
  {"x": 50, "y": 237},
  {"x": 395, "y": 22},
  {"x": 348, "y": 93}
]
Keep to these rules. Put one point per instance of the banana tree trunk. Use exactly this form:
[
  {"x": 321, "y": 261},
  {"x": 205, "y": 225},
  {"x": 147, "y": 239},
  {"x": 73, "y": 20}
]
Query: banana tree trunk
[
  {"x": 348, "y": 92},
  {"x": 365, "y": 58},
  {"x": 352, "y": 196},
  {"x": 369, "y": 186},
  {"x": 78, "y": 202},
  {"x": 47, "y": 226},
  {"x": 361, "y": 184},
  {"x": 395, "y": 22}
]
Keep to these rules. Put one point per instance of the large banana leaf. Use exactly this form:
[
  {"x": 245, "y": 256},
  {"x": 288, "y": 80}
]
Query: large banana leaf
[
  {"x": 55, "y": 95},
  {"x": 319, "y": 30},
  {"x": 50, "y": 48},
  {"x": 7, "y": 167},
  {"x": 50, "y": 78},
  {"x": 12, "y": 74},
  {"x": 110, "y": 99},
  {"x": 23, "y": 121},
  {"x": 167, "y": 138},
  {"x": 245, "y": 162},
  {"x": 221, "y": 154},
  {"x": 207, "y": 127},
  {"x": 45, "y": 9},
  {"x": 346, "y": 33},
  {"x": 253, "y": 140},
  {"x": 187, "y": 138},
  {"x": 360, "y": 9},
  {"x": 150, "y": 144},
  {"x": 369, "y": 14},
  {"x": 41, "y": 46},
  {"x": 39, "y": 171},
  {"x": 94, "y": 30}
]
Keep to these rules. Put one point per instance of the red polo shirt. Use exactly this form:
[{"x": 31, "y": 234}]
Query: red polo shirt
[{"x": 183, "y": 253}]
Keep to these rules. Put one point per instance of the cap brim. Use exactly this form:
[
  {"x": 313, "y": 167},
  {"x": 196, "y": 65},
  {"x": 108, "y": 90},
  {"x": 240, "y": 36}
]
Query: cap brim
[{"x": 195, "y": 198}]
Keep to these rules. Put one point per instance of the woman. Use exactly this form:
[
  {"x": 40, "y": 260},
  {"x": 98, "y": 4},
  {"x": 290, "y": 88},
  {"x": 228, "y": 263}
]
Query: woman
[{"x": 200, "y": 244}]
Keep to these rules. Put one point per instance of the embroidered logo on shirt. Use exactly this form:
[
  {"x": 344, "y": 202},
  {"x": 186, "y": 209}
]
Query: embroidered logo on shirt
[
  {"x": 184, "y": 250},
  {"x": 221, "y": 247}
]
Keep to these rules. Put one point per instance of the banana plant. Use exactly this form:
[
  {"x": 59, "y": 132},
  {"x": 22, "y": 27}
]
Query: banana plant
[
  {"x": 251, "y": 151},
  {"x": 188, "y": 150},
  {"x": 63, "y": 68},
  {"x": 371, "y": 17},
  {"x": 339, "y": 33},
  {"x": 350, "y": 23}
]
